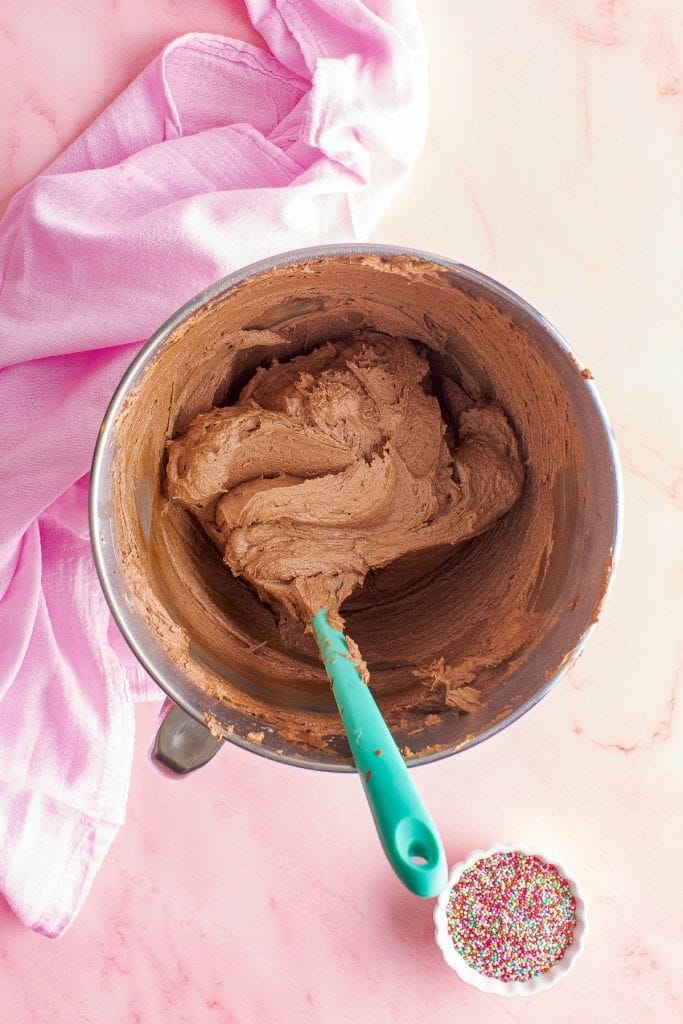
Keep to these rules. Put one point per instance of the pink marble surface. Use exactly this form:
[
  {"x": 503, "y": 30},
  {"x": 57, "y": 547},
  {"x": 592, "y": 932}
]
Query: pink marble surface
[{"x": 254, "y": 892}]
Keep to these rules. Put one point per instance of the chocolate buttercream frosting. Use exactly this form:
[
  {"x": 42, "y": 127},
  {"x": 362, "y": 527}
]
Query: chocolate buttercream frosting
[{"x": 337, "y": 463}]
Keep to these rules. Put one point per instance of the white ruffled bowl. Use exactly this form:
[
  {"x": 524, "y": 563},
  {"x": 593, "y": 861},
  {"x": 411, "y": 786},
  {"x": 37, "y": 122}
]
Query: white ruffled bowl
[{"x": 494, "y": 985}]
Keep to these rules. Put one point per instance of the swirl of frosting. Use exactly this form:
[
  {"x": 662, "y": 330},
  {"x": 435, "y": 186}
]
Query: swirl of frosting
[{"x": 339, "y": 462}]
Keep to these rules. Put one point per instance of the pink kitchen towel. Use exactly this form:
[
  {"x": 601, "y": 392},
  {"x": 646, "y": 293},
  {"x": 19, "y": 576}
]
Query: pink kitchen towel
[{"x": 217, "y": 155}]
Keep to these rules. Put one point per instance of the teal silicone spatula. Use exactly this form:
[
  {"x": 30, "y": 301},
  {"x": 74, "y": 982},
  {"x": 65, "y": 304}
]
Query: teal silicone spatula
[{"x": 408, "y": 834}]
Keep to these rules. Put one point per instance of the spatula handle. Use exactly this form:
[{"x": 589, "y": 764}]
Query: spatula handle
[{"x": 408, "y": 834}]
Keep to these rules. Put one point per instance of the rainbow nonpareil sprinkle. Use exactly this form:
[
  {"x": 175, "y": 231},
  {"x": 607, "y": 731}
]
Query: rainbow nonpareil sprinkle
[{"x": 511, "y": 916}]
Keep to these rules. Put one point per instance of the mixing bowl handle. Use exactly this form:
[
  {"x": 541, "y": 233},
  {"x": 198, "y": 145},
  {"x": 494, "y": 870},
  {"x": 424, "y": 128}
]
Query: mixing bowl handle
[{"x": 182, "y": 744}]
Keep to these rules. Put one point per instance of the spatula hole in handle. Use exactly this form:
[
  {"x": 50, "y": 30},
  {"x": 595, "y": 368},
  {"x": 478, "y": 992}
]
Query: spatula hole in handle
[{"x": 416, "y": 843}]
